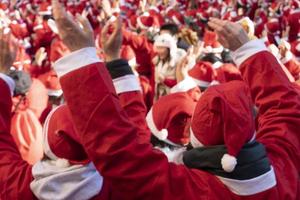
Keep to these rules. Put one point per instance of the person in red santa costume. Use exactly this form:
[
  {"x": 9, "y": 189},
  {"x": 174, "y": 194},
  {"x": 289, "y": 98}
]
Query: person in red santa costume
[
  {"x": 17, "y": 176},
  {"x": 271, "y": 160}
]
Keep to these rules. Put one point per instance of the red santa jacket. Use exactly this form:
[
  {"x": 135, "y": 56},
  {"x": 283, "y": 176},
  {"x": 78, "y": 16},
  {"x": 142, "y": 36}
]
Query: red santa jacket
[
  {"x": 139, "y": 172},
  {"x": 16, "y": 175}
]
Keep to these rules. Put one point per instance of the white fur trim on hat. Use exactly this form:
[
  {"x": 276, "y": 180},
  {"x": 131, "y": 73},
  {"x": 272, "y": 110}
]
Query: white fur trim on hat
[
  {"x": 55, "y": 93},
  {"x": 201, "y": 83},
  {"x": 217, "y": 65},
  {"x": 184, "y": 85},
  {"x": 140, "y": 24},
  {"x": 228, "y": 162},
  {"x": 194, "y": 141},
  {"x": 160, "y": 134},
  {"x": 46, "y": 146}
]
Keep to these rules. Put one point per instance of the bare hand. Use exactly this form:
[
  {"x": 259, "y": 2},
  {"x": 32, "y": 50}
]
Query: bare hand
[
  {"x": 182, "y": 68},
  {"x": 111, "y": 44},
  {"x": 231, "y": 35},
  {"x": 8, "y": 49},
  {"x": 72, "y": 35}
]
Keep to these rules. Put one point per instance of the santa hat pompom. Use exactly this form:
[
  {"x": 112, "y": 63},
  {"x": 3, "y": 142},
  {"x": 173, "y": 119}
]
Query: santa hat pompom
[
  {"x": 162, "y": 135},
  {"x": 228, "y": 162}
]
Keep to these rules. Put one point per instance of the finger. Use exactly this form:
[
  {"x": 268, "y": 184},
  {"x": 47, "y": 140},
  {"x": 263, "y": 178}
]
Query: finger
[
  {"x": 104, "y": 33},
  {"x": 87, "y": 28},
  {"x": 117, "y": 29},
  {"x": 58, "y": 10}
]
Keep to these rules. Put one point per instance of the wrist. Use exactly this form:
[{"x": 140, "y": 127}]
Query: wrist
[{"x": 112, "y": 57}]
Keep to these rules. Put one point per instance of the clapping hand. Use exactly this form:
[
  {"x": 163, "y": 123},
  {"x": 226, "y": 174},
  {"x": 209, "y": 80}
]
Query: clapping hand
[{"x": 75, "y": 35}]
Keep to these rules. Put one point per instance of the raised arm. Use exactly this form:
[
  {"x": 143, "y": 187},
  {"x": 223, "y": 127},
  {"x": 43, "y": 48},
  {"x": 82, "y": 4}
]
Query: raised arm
[
  {"x": 110, "y": 138},
  {"x": 277, "y": 99}
]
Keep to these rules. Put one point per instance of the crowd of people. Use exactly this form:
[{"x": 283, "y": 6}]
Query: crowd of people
[{"x": 151, "y": 99}]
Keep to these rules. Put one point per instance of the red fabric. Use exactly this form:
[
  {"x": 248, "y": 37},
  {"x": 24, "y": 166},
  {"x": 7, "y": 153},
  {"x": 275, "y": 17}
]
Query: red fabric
[
  {"x": 63, "y": 139},
  {"x": 294, "y": 24},
  {"x": 133, "y": 104},
  {"x": 144, "y": 53},
  {"x": 227, "y": 72},
  {"x": 278, "y": 130},
  {"x": 223, "y": 115},
  {"x": 15, "y": 176},
  {"x": 147, "y": 91},
  {"x": 170, "y": 82},
  {"x": 174, "y": 112},
  {"x": 294, "y": 68},
  {"x": 278, "y": 120}
]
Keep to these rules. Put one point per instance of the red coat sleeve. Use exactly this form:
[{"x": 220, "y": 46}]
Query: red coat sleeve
[
  {"x": 15, "y": 174},
  {"x": 110, "y": 139},
  {"x": 133, "y": 105},
  {"x": 278, "y": 102}
]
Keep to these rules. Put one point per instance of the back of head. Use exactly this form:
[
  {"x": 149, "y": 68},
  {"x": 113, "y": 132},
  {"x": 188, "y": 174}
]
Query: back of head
[
  {"x": 61, "y": 140},
  {"x": 223, "y": 116},
  {"x": 171, "y": 28}
]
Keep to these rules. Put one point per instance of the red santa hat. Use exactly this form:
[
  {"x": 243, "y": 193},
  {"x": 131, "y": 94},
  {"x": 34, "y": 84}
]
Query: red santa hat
[
  {"x": 176, "y": 17},
  {"x": 132, "y": 22},
  {"x": 60, "y": 138},
  {"x": 4, "y": 4},
  {"x": 45, "y": 8},
  {"x": 19, "y": 30},
  {"x": 202, "y": 73},
  {"x": 295, "y": 48},
  {"x": 211, "y": 43},
  {"x": 273, "y": 29},
  {"x": 223, "y": 116},
  {"x": 169, "y": 116},
  {"x": 294, "y": 24},
  {"x": 227, "y": 72},
  {"x": 145, "y": 21}
]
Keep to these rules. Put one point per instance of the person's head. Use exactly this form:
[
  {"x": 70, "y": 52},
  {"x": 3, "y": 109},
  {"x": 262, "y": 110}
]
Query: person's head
[
  {"x": 170, "y": 117},
  {"x": 61, "y": 140},
  {"x": 169, "y": 28},
  {"x": 163, "y": 45},
  {"x": 223, "y": 116},
  {"x": 162, "y": 52}
]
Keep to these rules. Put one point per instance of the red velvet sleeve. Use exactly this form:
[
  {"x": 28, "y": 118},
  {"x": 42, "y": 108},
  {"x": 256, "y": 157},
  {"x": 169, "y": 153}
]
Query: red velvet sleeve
[
  {"x": 110, "y": 139},
  {"x": 278, "y": 102},
  {"x": 15, "y": 174},
  {"x": 134, "y": 106}
]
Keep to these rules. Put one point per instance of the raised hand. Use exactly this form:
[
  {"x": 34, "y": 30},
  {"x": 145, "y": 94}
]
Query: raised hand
[
  {"x": 231, "y": 35},
  {"x": 8, "y": 50},
  {"x": 71, "y": 33},
  {"x": 111, "y": 43}
]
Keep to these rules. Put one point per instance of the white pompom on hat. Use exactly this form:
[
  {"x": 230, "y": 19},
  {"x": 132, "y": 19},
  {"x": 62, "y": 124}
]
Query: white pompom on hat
[{"x": 223, "y": 116}]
